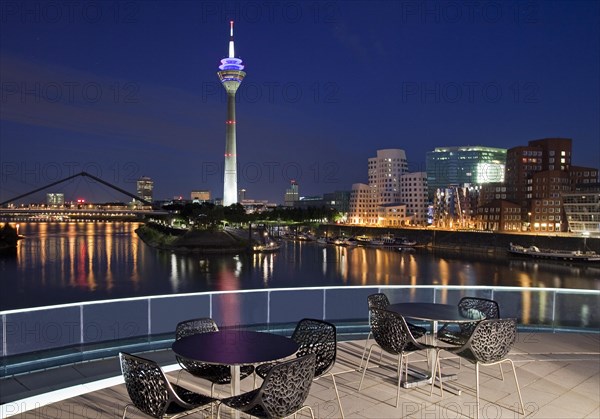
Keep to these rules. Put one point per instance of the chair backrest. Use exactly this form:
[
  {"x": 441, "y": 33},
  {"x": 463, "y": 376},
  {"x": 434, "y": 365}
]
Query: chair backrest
[
  {"x": 489, "y": 308},
  {"x": 379, "y": 300},
  {"x": 195, "y": 326},
  {"x": 467, "y": 305},
  {"x": 391, "y": 332},
  {"x": 286, "y": 386},
  {"x": 146, "y": 384},
  {"x": 490, "y": 341},
  {"x": 317, "y": 337}
]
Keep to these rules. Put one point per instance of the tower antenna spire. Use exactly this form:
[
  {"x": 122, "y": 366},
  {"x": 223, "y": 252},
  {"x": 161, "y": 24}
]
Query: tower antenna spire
[{"x": 231, "y": 47}]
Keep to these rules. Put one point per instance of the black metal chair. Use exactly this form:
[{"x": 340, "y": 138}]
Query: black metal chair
[
  {"x": 392, "y": 335},
  {"x": 216, "y": 374},
  {"x": 488, "y": 345},
  {"x": 282, "y": 393},
  {"x": 381, "y": 301},
  {"x": 314, "y": 337},
  {"x": 151, "y": 392},
  {"x": 469, "y": 307}
]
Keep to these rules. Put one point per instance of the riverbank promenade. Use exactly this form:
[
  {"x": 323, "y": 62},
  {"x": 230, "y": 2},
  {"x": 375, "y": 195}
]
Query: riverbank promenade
[{"x": 559, "y": 375}]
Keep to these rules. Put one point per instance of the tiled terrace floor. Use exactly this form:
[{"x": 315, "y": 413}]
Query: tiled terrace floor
[{"x": 559, "y": 376}]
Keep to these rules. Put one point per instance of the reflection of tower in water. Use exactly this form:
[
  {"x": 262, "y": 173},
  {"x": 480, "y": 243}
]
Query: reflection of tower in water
[{"x": 228, "y": 306}]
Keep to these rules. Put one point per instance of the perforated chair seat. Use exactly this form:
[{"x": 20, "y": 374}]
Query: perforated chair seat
[
  {"x": 313, "y": 337},
  {"x": 392, "y": 334},
  {"x": 151, "y": 392},
  {"x": 282, "y": 393},
  {"x": 458, "y": 334},
  {"x": 488, "y": 345}
]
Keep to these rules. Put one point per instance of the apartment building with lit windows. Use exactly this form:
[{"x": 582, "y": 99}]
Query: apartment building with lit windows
[{"x": 393, "y": 196}]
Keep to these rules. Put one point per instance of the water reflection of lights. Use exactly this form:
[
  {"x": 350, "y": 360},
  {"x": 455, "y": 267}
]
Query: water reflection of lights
[
  {"x": 91, "y": 257},
  {"x": 324, "y": 251},
  {"x": 342, "y": 263},
  {"x": 174, "y": 277},
  {"x": 262, "y": 262},
  {"x": 109, "y": 255},
  {"x": 238, "y": 266}
]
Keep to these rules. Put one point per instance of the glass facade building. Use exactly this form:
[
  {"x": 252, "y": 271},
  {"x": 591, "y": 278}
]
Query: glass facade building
[{"x": 457, "y": 166}]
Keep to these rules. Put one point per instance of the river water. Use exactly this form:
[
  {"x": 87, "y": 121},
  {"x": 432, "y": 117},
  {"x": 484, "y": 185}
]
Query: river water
[{"x": 72, "y": 262}]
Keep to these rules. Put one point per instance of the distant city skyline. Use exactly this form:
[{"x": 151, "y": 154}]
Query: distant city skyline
[{"x": 129, "y": 89}]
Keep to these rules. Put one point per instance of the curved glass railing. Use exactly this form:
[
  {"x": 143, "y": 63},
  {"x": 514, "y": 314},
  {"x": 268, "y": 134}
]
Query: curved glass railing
[{"x": 43, "y": 337}]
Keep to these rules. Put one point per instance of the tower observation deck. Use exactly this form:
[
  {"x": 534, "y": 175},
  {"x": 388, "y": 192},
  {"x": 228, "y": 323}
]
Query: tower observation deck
[{"x": 231, "y": 75}]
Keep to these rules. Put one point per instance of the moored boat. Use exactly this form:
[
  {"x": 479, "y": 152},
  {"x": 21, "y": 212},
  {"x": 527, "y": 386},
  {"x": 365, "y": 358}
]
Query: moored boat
[
  {"x": 270, "y": 246},
  {"x": 567, "y": 255}
]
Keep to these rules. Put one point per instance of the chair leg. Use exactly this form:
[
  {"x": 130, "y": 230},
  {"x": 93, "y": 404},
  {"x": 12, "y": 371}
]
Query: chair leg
[
  {"x": 400, "y": 360},
  {"x": 125, "y": 410},
  {"x": 362, "y": 358},
  {"x": 501, "y": 372},
  {"x": 437, "y": 367},
  {"x": 312, "y": 414},
  {"x": 477, "y": 385},
  {"x": 338, "y": 395},
  {"x": 518, "y": 388},
  {"x": 178, "y": 374},
  {"x": 365, "y": 368}
]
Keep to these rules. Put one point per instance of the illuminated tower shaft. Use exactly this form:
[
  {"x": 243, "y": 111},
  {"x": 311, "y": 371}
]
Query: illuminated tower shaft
[{"x": 231, "y": 75}]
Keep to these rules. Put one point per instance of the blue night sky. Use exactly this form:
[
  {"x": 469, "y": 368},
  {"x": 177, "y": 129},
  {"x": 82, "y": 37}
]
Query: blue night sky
[{"x": 125, "y": 89}]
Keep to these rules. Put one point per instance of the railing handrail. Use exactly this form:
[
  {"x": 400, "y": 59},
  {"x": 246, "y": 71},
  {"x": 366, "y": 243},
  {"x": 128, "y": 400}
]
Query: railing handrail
[{"x": 340, "y": 287}]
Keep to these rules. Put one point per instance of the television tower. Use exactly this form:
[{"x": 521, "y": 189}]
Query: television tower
[{"x": 231, "y": 75}]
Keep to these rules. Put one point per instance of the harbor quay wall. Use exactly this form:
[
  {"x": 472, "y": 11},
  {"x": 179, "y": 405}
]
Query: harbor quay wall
[{"x": 471, "y": 241}]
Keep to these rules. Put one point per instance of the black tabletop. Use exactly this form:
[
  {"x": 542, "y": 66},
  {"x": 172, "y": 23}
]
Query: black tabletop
[
  {"x": 234, "y": 347},
  {"x": 435, "y": 312}
]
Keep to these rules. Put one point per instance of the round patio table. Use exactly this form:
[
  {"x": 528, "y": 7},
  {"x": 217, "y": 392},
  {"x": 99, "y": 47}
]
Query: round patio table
[{"x": 234, "y": 348}]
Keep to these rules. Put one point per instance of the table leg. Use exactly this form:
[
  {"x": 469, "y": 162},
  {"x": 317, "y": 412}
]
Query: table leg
[
  {"x": 424, "y": 378},
  {"x": 235, "y": 387}
]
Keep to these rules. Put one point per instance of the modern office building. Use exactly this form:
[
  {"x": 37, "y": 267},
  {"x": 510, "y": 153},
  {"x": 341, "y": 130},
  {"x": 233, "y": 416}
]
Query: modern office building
[
  {"x": 413, "y": 192},
  {"x": 522, "y": 162},
  {"x": 538, "y": 175},
  {"x": 362, "y": 209},
  {"x": 499, "y": 215},
  {"x": 231, "y": 76},
  {"x": 456, "y": 207},
  {"x": 145, "y": 186},
  {"x": 582, "y": 209},
  {"x": 457, "y": 166},
  {"x": 385, "y": 171},
  {"x": 292, "y": 194},
  {"x": 55, "y": 199},
  {"x": 338, "y": 200},
  {"x": 200, "y": 196},
  {"x": 393, "y": 196}
]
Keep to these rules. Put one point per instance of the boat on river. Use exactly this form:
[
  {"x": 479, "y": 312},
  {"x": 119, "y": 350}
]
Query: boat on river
[
  {"x": 267, "y": 247},
  {"x": 567, "y": 255}
]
